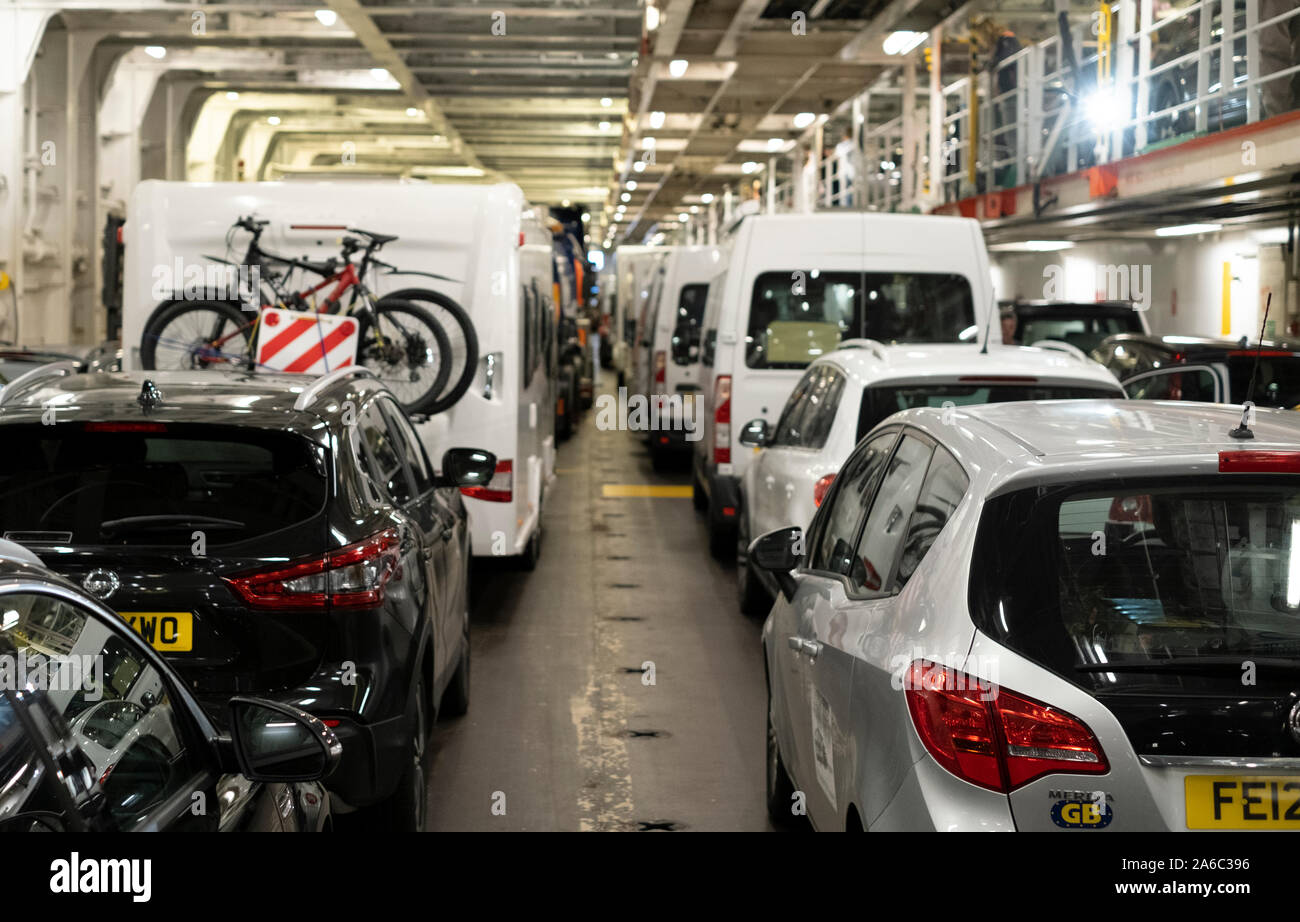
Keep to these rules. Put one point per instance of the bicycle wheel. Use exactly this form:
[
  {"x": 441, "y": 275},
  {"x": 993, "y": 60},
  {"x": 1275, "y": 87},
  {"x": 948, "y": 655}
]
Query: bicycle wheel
[
  {"x": 463, "y": 357},
  {"x": 407, "y": 349},
  {"x": 192, "y": 335}
]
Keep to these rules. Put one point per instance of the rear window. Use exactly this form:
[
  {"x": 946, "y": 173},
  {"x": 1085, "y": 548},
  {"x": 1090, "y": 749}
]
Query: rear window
[
  {"x": 883, "y": 401},
  {"x": 1144, "y": 585},
  {"x": 66, "y": 485},
  {"x": 798, "y": 315},
  {"x": 1084, "y": 332},
  {"x": 1277, "y": 383},
  {"x": 686, "y": 326}
]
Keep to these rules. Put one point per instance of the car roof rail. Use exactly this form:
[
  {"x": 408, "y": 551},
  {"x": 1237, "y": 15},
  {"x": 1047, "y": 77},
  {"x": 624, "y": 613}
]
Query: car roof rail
[
  {"x": 309, "y": 394},
  {"x": 876, "y": 346},
  {"x": 1057, "y": 345},
  {"x": 27, "y": 379}
]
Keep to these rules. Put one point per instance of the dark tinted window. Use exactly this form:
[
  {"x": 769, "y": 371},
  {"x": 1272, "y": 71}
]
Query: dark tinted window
[
  {"x": 1084, "y": 331},
  {"x": 881, "y": 401},
  {"x": 887, "y": 522},
  {"x": 1175, "y": 384},
  {"x": 383, "y": 455},
  {"x": 790, "y": 428},
  {"x": 796, "y": 316},
  {"x": 945, "y": 485},
  {"x": 1138, "y": 574},
  {"x": 409, "y": 443},
  {"x": 70, "y": 484},
  {"x": 1277, "y": 383},
  {"x": 686, "y": 329},
  {"x": 835, "y": 527}
]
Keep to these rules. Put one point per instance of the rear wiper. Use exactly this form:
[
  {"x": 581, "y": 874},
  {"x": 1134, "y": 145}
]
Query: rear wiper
[
  {"x": 159, "y": 522},
  {"x": 1193, "y": 665}
]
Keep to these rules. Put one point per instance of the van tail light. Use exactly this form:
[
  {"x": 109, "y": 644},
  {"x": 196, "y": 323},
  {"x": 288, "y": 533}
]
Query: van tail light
[
  {"x": 661, "y": 364},
  {"x": 1259, "y": 462},
  {"x": 993, "y": 737},
  {"x": 820, "y": 488},
  {"x": 722, "y": 420},
  {"x": 500, "y": 489},
  {"x": 354, "y": 576}
]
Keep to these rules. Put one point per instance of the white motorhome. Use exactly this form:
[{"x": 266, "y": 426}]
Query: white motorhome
[
  {"x": 665, "y": 355},
  {"x": 481, "y": 245},
  {"x": 637, "y": 267},
  {"x": 792, "y": 287}
]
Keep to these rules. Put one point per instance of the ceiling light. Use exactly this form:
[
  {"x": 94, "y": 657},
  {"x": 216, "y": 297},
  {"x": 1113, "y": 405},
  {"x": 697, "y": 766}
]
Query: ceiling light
[
  {"x": 648, "y": 143},
  {"x": 380, "y": 73},
  {"x": 1032, "y": 246},
  {"x": 651, "y": 17},
  {"x": 1104, "y": 110},
  {"x": 695, "y": 209},
  {"x": 1271, "y": 235},
  {"x": 677, "y": 67},
  {"x": 749, "y": 166},
  {"x": 902, "y": 42},
  {"x": 412, "y": 111},
  {"x": 155, "y": 51},
  {"x": 622, "y": 208},
  {"x": 327, "y": 18},
  {"x": 625, "y": 197},
  {"x": 804, "y": 119},
  {"x": 1185, "y": 230},
  {"x": 631, "y": 185},
  {"x": 657, "y": 119},
  {"x": 232, "y": 95},
  {"x": 606, "y": 101},
  {"x": 706, "y": 197},
  {"x": 638, "y": 166},
  {"x": 273, "y": 120},
  {"x": 775, "y": 143},
  {"x": 683, "y": 217},
  {"x": 603, "y": 126}
]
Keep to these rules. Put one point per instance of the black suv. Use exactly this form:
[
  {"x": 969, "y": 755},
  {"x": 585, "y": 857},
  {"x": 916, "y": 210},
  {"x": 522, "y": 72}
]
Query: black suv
[
  {"x": 1080, "y": 324},
  {"x": 272, "y": 535},
  {"x": 1209, "y": 370}
]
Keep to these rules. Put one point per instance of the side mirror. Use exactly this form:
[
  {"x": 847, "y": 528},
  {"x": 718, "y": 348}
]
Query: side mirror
[
  {"x": 468, "y": 467},
  {"x": 779, "y": 552},
  {"x": 757, "y": 432},
  {"x": 279, "y": 742}
]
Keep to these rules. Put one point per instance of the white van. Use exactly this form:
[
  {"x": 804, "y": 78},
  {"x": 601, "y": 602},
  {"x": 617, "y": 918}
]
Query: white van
[
  {"x": 483, "y": 246},
  {"x": 666, "y": 367},
  {"x": 794, "y": 286},
  {"x": 637, "y": 267}
]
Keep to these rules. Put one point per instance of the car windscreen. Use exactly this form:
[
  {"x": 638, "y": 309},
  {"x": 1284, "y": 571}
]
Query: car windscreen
[
  {"x": 883, "y": 400},
  {"x": 1277, "y": 383},
  {"x": 1163, "y": 584},
  {"x": 155, "y": 483},
  {"x": 686, "y": 326},
  {"x": 1082, "y": 331},
  {"x": 798, "y": 315}
]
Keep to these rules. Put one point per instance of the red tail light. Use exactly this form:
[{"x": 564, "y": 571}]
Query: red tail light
[
  {"x": 993, "y": 737},
  {"x": 350, "y": 577},
  {"x": 500, "y": 489},
  {"x": 1131, "y": 509},
  {"x": 125, "y": 427},
  {"x": 820, "y": 488},
  {"x": 722, "y": 420},
  {"x": 1259, "y": 462},
  {"x": 1263, "y": 353},
  {"x": 661, "y": 364}
]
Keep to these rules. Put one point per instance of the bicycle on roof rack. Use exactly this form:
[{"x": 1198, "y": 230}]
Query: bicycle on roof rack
[{"x": 419, "y": 342}]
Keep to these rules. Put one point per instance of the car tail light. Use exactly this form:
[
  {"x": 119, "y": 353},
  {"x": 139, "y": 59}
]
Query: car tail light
[
  {"x": 997, "y": 379},
  {"x": 722, "y": 420},
  {"x": 1263, "y": 353},
  {"x": 354, "y": 576},
  {"x": 820, "y": 488},
  {"x": 1259, "y": 462},
  {"x": 125, "y": 427},
  {"x": 993, "y": 737},
  {"x": 500, "y": 489},
  {"x": 661, "y": 364}
]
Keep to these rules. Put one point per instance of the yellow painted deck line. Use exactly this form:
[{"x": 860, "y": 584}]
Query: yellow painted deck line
[{"x": 630, "y": 490}]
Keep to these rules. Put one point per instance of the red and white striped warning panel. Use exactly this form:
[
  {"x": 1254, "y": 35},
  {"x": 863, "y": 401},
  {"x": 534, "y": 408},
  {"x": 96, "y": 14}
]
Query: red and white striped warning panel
[{"x": 305, "y": 342}]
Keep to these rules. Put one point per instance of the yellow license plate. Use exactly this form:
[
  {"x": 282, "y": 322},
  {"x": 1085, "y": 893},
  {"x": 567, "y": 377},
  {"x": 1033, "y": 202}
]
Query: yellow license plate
[
  {"x": 1242, "y": 801},
  {"x": 166, "y": 631}
]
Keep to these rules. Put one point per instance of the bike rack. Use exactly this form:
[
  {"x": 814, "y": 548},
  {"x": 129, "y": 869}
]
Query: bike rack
[{"x": 309, "y": 395}]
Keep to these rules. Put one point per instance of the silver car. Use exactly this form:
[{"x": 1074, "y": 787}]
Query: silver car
[{"x": 1073, "y": 615}]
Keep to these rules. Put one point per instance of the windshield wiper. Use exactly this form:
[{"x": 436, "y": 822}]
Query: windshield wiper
[
  {"x": 1193, "y": 665},
  {"x": 161, "y": 522}
]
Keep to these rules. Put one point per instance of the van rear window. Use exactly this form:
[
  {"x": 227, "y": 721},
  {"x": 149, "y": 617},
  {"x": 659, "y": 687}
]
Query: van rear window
[
  {"x": 69, "y": 484},
  {"x": 798, "y": 315}
]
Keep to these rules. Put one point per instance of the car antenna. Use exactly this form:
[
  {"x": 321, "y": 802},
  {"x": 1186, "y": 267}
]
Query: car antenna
[
  {"x": 988, "y": 329},
  {"x": 1243, "y": 428}
]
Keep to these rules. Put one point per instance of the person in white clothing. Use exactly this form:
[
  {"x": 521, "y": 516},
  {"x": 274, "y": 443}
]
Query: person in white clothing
[{"x": 848, "y": 168}]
